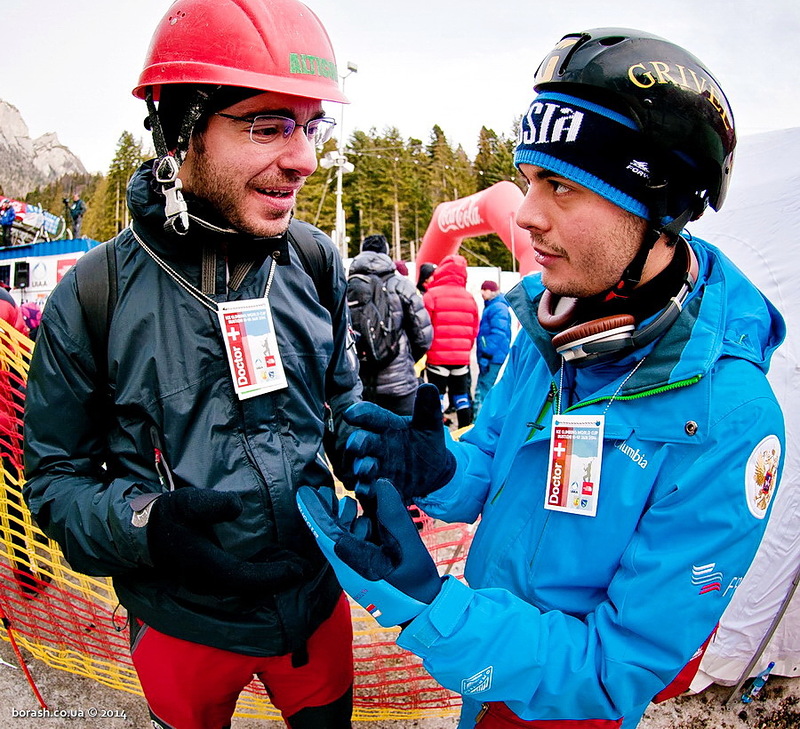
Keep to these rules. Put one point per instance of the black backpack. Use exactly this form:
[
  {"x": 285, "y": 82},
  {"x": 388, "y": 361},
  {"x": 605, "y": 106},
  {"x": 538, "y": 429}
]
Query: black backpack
[{"x": 377, "y": 341}]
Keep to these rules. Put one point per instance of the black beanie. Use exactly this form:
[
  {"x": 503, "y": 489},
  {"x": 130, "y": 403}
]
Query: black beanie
[
  {"x": 375, "y": 243},
  {"x": 598, "y": 148}
]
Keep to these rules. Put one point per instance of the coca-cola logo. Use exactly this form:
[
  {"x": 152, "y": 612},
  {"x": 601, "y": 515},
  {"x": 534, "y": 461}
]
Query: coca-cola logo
[{"x": 459, "y": 215}]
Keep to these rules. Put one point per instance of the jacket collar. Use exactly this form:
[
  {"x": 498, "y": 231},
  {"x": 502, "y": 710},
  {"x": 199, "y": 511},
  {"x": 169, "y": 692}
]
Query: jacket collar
[
  {"x": 724, "y": 316},
  {"x": 372, "y": 262}
]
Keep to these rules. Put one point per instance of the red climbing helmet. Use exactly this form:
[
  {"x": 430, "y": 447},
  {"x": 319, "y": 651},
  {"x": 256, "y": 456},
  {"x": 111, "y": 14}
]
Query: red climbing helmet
[{"x": 269, "y": 45}]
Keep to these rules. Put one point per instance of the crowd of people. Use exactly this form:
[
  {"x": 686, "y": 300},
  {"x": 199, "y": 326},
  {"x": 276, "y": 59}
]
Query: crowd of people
[{"x": 630, "y": 447}]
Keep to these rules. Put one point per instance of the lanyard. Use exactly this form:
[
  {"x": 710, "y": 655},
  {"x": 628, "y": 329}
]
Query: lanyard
[
  {"x": 193, "y": 291},
  {"x": 613, "y": 397}
]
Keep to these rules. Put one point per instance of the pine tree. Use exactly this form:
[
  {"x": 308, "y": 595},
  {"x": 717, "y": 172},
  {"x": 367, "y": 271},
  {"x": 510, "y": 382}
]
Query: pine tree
[
  {"x": 372, "y": 189},
  {"x": 495, "y": 159},
  {"x": 418, "y": 206},
  {"x": 108, "y": 214},
  {"x": 494, "y": 163},
  {"x": 441, "y": 165}
]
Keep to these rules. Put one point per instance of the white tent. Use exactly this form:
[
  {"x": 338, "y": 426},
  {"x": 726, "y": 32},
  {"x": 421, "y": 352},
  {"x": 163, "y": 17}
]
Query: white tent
[{"x": 757, "y": 228}]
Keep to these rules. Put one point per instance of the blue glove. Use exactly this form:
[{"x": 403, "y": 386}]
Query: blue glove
[
  {"x": 409, "y": 451},
  {"x": 379, "y": 558}
]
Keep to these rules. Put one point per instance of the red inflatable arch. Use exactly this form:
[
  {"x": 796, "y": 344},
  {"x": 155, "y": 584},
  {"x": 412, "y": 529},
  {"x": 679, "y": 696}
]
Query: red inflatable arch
[{"x": 491, "y": 210}]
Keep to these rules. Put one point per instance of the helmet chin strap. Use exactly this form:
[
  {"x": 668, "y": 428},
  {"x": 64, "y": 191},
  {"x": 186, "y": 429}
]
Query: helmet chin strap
[
  {"x": 615, "y": 333},
  {"x": 168, "y": 162},
  {"x": 632, "y": 276}
]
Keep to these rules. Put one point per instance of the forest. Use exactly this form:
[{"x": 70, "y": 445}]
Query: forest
[{"x": 393, "y": 189}]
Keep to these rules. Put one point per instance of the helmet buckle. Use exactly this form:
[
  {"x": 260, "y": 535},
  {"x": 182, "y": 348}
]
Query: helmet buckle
[
  {"x": 166, "y": 170},
  {"x": 166, "y": 174}
]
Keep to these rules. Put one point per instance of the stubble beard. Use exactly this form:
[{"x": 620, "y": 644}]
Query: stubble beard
[
  {"x": 213, "y": 186},
  {"x": 602, "y": 271}
]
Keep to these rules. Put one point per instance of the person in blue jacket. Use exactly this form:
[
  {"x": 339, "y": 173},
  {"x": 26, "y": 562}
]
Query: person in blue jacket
[
  {"x": 7, "y": 217},
  {"x": 494, "y": 340},
  {"x": 624, "y": 466}
]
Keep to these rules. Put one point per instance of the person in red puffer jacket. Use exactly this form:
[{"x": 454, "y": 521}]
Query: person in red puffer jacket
[{"x": 455, "y": 319}]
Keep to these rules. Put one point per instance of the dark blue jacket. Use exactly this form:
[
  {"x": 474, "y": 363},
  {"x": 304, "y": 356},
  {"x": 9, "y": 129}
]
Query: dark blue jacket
[
  {"x": 167, "y": 373},
  {"x": 494, "y": 335}
]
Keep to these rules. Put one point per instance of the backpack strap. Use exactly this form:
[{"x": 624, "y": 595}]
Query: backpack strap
[
  {"x": 312, "y": 256},
  {"x": 96, "y": 283}
]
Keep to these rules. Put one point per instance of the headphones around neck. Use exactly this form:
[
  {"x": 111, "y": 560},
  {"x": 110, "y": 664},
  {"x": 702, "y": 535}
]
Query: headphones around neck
[{"x": 609, "y": 334}]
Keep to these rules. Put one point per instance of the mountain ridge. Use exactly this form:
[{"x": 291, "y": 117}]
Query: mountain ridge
[{"x": 27, "y": 163}]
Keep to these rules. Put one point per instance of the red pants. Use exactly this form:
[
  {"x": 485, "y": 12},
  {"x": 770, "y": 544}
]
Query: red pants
[
  {"x": 193, "y": 686},
  {"x": 496, "y": 715}
]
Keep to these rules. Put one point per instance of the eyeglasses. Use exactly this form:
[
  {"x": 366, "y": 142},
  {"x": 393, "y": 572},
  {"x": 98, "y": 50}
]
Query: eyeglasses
[{"x": 270, "y": 129}]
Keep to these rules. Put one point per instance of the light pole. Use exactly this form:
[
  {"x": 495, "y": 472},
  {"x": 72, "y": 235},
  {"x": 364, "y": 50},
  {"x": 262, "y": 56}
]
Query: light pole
[{"x": 342, "y": 166}]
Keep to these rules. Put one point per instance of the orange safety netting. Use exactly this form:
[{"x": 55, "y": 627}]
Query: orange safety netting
[{"x": 74, "y": 623}]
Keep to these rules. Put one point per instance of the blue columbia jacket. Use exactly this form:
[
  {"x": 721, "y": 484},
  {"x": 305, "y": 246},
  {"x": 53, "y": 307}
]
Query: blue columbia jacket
[
  {"x": 494, "y": 334},
  {"x": 572, "y": 617}
]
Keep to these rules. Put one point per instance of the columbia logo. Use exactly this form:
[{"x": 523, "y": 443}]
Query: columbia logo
[
  {"x": 481, "y": 681},
  {"x": 639, "y": 458},
  {"x": 706, "y": 578},
  {"x": 639, "y": 168}
]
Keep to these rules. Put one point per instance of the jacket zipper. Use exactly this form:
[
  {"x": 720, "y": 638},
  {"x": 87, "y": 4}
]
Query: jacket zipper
[
  {"x": 655, "y": 391},
  {"x": 162, "y": 468},
  {"x": 536, "y": 425}
]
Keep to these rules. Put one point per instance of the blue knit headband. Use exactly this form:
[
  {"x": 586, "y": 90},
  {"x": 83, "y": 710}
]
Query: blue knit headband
[{"x": 590, "y": 145}]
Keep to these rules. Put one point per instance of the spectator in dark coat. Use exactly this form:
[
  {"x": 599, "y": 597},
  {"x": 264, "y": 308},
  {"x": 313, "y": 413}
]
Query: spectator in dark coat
[
  {"x": 455, "y": 319},
  {"x": 77, "y": 209},
  {"x": 494, "y": 339},
  {"x": 395, "y": 386}
]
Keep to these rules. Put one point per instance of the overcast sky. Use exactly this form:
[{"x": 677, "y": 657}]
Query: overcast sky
[{"x": 69, "y": 67}]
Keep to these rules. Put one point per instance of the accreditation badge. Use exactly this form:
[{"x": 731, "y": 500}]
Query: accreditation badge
[
  {"x": 252, "y": 347},
  {"x": 573, "y": 472}
]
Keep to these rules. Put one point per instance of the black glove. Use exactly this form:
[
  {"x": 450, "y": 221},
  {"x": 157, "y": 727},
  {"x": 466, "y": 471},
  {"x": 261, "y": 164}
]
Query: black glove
[
  {"x": 483, "y": 365},
  {"x": 409, "y": 451},
  {"x": 182, "y": 544}
]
